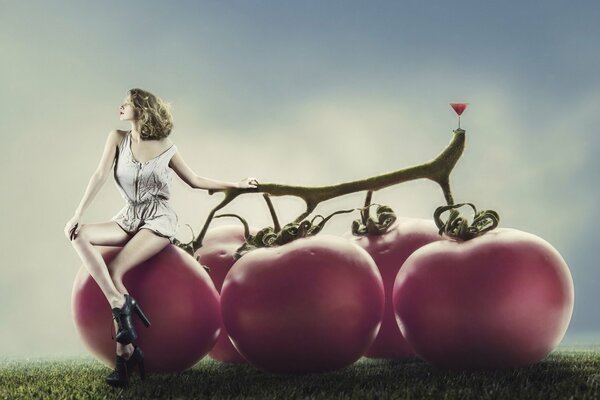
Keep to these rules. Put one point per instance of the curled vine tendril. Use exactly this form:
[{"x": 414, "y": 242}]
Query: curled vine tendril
[
  {"x": 367, "y": 225},
  {"x": 458, "y": 227},
  {"x": 269, "y": 237},
  {"x": 189, "y": 247}
]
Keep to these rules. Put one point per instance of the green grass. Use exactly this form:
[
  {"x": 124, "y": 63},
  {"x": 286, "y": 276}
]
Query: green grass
[{"x": 566, "y": 373}]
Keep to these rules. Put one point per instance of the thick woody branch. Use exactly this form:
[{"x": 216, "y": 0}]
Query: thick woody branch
[{"x": 437, "y": 170}]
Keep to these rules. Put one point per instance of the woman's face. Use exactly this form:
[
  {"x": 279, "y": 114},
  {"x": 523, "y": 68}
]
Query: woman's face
[{"x": 126, "y": 111}]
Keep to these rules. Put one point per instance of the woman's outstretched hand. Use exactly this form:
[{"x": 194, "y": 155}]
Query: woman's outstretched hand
[{"x": 248, "y": 183}]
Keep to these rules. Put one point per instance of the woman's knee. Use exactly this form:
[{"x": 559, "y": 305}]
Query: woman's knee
[
  {"x": 82, "y": 236},
  {"x": 101, "y": 234}
]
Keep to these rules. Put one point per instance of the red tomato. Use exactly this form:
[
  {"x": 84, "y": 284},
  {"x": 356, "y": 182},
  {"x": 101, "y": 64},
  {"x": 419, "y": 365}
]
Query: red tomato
[
  {"x": 177, "y": 295},
  {"x": 503, "y": 299},
  {"x": 311, "y": 305},
  {"x": 389, "y": 251},
  {"x": 218, "y": 247}
]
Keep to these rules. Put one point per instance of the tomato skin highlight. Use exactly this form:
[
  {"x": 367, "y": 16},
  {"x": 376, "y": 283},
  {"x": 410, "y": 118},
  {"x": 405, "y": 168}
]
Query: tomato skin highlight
[
  {"x": 312, "y": 305},
  {"x": 389, "y": 251},
  {"x": 217, "y": 251},
  {"x": 503, "y": 299}
]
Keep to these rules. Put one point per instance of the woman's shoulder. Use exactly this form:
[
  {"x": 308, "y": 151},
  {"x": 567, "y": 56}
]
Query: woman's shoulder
[
  {"x": 118, "y": 136},
  {"x": 166, "y": 142},
  {"x": 120, "y": 133}
]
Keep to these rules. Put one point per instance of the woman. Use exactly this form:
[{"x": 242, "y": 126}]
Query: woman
[{"x": 144, "y": 159}]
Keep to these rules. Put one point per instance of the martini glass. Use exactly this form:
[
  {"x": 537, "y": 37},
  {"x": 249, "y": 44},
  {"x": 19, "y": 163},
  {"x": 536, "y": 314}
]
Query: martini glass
[{"x": 459, "y": 108}]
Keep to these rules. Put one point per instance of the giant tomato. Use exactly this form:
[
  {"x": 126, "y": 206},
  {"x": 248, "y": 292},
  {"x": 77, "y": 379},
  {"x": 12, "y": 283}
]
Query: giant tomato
[
  {"x": 177, "y": 295},
  {"x": 389, "y": 251},
  {"x": 217, "y": 251},
  {"x": 311, "y": 305},
  {"x": 502, "y": 299}
]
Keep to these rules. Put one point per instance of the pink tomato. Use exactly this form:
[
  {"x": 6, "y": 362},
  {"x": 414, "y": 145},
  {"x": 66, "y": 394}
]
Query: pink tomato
[
  {"x": 502, "y": 299},
  {"x": 174, "y": 291},
  {"x": 314, "y": 304},
  {"x": 389, "y": 251},
  {"x": 217, "y": 251}
]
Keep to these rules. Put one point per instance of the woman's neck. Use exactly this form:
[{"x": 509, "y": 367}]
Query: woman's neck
[{"x": 136, "y": 132}]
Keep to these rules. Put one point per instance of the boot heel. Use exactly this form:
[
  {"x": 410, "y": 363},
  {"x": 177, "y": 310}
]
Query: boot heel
[
  {"x": 142, "y": 316},
  {"x": 142, "y": 369},
  {"x": 136, "y": 360}
]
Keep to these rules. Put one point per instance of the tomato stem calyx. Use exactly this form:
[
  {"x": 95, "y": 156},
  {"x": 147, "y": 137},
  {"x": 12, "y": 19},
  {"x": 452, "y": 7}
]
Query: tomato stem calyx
[
  {"x": 189, "y": 247},
  {"x": 457, "y": 227},
  {"x": 268, "y": 237},
  {"x": 367, "y": 225}
]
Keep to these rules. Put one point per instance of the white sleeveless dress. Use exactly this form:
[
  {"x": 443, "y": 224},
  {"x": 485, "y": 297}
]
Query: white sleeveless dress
[{"x": 146, "y": 188}]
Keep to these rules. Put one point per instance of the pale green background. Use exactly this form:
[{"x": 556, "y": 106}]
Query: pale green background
[{"x": 298, "y": 92}]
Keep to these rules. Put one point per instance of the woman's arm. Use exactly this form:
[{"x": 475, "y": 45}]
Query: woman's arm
[
  {"x": 102, "y": 171},
  {"x": 194, "y": 181}
]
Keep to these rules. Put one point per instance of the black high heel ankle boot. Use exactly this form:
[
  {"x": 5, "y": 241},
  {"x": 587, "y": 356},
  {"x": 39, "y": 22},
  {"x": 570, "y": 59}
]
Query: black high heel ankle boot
[
  {"x": 119, "y": 377},
  {"x": 127, "y": 333},
  {"x": 137, "y": 358}
]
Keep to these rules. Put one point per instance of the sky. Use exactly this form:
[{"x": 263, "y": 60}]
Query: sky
[{"x": 303, "y": 93}]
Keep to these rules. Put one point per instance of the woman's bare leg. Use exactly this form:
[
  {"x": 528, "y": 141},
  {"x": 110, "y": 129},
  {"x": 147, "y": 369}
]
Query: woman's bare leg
[
  {"x": 103, "y": 234},
  {"x": 143, "y": 245}
]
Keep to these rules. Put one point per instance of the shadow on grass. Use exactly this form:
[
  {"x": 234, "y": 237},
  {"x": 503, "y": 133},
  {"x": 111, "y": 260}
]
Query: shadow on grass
[
  {"x": 554, "y": 377},
  {"x": 562, "y": 375}
]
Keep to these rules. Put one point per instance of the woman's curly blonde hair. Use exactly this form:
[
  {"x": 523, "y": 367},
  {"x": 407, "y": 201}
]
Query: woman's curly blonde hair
[{"x": 153, "y": 113}]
